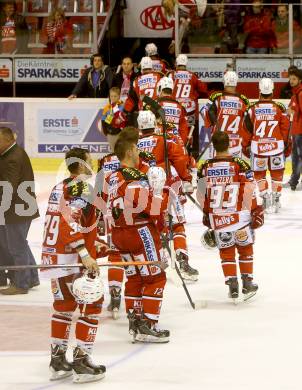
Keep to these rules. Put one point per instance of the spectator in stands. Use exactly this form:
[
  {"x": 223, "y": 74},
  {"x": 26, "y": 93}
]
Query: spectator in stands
[
  {"x": 281, "y": 29},
  {"x": 295, "y": 109},
  {"x": 258, "y": 27},
  {"x": 16, "y": 171},
  {"x": 58, "y": 33},
  {"x": 14, "y": 32},
  {"x": 95, "y": 81},
  {"x": 125, "y": 76},
  {"x": 286, "y": 91}
]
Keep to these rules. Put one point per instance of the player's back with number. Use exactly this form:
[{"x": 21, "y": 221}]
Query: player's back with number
[
  {"x": 268, "y": 128},
  {"x": 226, "y": 192}
]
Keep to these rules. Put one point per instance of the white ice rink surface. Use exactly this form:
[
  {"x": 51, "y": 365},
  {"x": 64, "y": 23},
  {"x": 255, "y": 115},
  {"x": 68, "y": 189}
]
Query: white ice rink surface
[{"x": 253, "y": 346}]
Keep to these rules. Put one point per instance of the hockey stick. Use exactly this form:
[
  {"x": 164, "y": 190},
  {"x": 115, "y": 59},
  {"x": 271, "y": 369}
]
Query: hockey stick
[
  {"x": 197, "y": 305},
  {"x": 108, "y": 264},
  {"x": 194, "y": 201},
  {"x": 156, "y": 106}
]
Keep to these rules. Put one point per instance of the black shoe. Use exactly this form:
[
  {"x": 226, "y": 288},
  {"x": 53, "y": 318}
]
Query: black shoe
[
  {"x": 133, "y": 321},
  {"x": 233, "y": 288},
  {"x": 149, "y": 333},
  {"x": 84, "y": 370},
  {"x": 59, "y": 367},
  {"x": 248, "y": 286},
  {"x": 187, "y": 272},
  {"x": 115, "y": 302}
]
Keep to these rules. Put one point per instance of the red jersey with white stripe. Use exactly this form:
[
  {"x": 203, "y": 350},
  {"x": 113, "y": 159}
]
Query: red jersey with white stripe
[
  {"x": 144, "y": 84},
  {"x": 70, "y": 222},
  {"x": 187, "y": 89},
  {"x": 226, "y": 191},
  {"x": 268, "y": 125},
  {"x": 175, "y": 115},
  {"x": 226, "y": 113}
]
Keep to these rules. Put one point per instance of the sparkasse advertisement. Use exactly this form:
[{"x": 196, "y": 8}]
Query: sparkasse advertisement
[
  {"x": 50, "y": 69},
  {"x": 252, "y": 70},
  {"x": 209, "y": 69},
  {"x": 6, "y": 70}
]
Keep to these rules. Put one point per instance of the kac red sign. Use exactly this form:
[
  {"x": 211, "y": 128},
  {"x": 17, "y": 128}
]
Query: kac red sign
[{"x": 154, "y": 18}]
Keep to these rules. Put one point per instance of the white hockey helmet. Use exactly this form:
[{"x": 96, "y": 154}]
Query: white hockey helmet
[
  {"x": 87, "y": 289},
  {"x": 151, "y": 49},
  {"x": 230, "y": 79},
  {"x": 208, "y": 239},
  {"x": 146, "y": 120},
  {"x": 157, "y": 178},
  {"x": 165, "y": 82},
  {"x": 266, "y": 86},
  {"x": 146, "y": 63},
  {"x": 181, "y": 59}
]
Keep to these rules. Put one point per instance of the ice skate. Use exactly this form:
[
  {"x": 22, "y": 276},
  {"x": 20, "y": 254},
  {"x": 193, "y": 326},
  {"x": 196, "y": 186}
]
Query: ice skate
[
  {"x": 266, "y": 201},
  {"x": 84, "y": 370},
  {"x": 59, "y": 367},
  {"x": 276, "y": 205},
  {"x": 233, "y": 289},
  {"x": 187, "y": 272},
  {"x": 149, "y": 333},
  {"x": 249, "y": 288},
  {"x": 115, "y": 303}
]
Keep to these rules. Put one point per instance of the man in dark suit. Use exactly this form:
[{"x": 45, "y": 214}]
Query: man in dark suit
[{"x": 18, "y": 207}]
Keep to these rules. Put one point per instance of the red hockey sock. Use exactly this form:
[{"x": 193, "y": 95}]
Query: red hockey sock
[
  {"x": 86, "y": 330},
  {"x": 60, "y": 328}
]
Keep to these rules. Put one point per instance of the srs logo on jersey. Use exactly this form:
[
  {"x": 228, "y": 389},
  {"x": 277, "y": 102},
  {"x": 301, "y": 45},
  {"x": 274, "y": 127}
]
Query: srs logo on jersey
[
  {"x": 146, "y": 80},
  {"x": 111, "y": 166},
  {"x": 220, "y": 171},
  {"x": 230, "y": 104}
]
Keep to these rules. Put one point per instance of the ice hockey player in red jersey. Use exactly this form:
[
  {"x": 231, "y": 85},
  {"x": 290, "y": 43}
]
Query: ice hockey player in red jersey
[
  {"x": 268, "y": 126},
  {"x": 178, "y": 161},
  {"x": 175, "y": 113},
  {"x": 69, "y": 237},
  {"x": 137, "y": 202},
  {"x": 158, "y": 64},
  {"x": 187, "y": 88},
  {"x": 226, "y": 192},
  {"x": 226, "y": 113},
  {"x": 145, "y": 84}
]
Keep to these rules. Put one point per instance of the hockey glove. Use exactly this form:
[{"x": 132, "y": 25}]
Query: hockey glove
[
  {"x": 257, "y": 217},
  {"x": 206, "y": 220}
]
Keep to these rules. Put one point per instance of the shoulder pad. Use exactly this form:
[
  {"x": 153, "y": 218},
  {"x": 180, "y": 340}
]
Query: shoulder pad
[
  {"x": 147, "y": 156},
  {"x": 131, "y": 174},
  {"x": 253, "y": 104},
  {"x": 76, "y": 189},
  {"x": 281, "y": 106},
  {"x": 244, "y": 166},
  {"x": 245, "y": 99},
  {"x": 215, "y": 95},
  {"x": 201, "y": 167}
]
